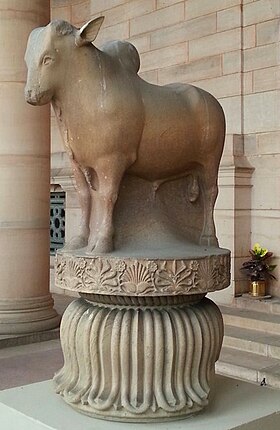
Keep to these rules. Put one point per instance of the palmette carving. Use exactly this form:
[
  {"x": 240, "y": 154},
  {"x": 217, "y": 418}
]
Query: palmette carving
[
  {"x": 126, "y": 362},
  {"x": 178, "y": 277},
  {"x": 127, "y": 276}
]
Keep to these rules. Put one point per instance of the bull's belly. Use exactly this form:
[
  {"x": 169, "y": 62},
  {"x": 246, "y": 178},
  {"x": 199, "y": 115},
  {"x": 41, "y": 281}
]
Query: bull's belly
[{"x": 154, "y": 165}]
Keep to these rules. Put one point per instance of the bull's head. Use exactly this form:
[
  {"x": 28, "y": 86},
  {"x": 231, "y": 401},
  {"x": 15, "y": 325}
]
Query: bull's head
[{"x": 48, "y": 48}]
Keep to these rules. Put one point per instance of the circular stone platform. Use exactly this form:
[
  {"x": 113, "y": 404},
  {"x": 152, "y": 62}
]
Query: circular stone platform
[{"x": 207, "y": 270}]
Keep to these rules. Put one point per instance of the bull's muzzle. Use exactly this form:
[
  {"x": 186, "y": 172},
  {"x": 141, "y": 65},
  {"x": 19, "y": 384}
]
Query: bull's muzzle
[
  {"x": 30, "y": 97},
  {"x": 37, "y": 99}
]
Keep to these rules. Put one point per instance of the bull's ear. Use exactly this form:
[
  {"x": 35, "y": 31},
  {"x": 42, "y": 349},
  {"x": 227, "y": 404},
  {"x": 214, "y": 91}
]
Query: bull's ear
[{"x": 89, "y": 31}]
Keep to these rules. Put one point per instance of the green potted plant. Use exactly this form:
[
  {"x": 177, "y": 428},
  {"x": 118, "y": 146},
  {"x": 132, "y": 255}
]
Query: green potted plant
[{"x": 258, "y": 270}]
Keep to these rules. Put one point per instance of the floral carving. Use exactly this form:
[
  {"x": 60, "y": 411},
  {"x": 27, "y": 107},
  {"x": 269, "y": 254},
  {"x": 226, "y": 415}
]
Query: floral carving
[
  {"x": 60, "y": 265},
  {"x": 108, "y": 275},
  {"x": 120, "y": 266},
  {"x": 99, "y": 276},
  {"x": 73, "y": 273},
  {"x": 214, "y": 273},
  {"x": 220, "y": 272},
  {"x": 137, "y": 279},
  {"x": 179, "y": 277}
]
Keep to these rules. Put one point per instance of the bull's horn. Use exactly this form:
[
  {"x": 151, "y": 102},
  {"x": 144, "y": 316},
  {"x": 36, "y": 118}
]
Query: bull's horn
[{"x": 89, "y": 31}]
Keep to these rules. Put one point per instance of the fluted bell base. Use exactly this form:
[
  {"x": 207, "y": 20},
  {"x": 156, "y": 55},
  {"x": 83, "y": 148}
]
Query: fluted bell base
[{"x": 140, "y": 362}]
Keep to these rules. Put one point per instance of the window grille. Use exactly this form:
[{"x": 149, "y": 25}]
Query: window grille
[{"x": 57, "y": 221}]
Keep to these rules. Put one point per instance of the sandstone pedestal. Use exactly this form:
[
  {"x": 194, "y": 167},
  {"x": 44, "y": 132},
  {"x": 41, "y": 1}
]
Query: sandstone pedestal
[{"x": 141, "y": 342}]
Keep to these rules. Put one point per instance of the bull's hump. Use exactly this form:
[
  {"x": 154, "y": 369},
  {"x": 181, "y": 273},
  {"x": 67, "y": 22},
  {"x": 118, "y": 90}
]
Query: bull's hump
[{"x": 125, "y": 53}]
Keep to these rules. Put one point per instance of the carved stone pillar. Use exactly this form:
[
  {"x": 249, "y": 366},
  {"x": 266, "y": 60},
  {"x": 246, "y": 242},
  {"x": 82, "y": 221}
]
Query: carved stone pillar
[
  {"x": 142, "y": 342},
  {"x": 25, "y": 302}
]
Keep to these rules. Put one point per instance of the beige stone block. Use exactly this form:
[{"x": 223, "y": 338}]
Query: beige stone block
[
  {"x": 229, "y": 18},
  {"x": 233, "y": 227},
  {"x": 231, "y": 62},
  {"x": 215, "y": 44},
  {"x": 234, "y": 145},
  {"x": 264, "y": 197},
  {"x": 183, "y": 31},
  {"x": 265, "y": 226},
  {"x": 193, "y": 71},
  {"x": 150, "y": 76},
  {"x": 250, "y": 144},
  {"x": 142, "y": 43},
  {"x": 268, "y": 143},
  {"x": 165, "y": 3},
  {"x": 61, "y": 13},
  {"x": 158, "y": 19},
  {"x": 128, "y": 11},
  {"x": 118, "y": 31},
  {"x": 72, "y": 201},
  {"x": 60, "y": 169},
  {"x": 232, "y": 107},
  {"x": 223, "y": 86},
  {"x": 261, "y": 10},
  {"x": 268, "y": 32},
  {"x": 247, "y": 83},
  {"x": 80, "y": 12},
  {"x": 24, "y": 129},
  {"x": 195, "y": 8},
  {"x": 59, "y": 3},
  {"x": 261, "y": 112},
  {"x": 97, "y": 6},
  {"x": 271, "y": 162},
  {"x": 163, "y": 57},
  {"x": 249, "y": 37},
  {"x": 27, "y": 274},
  {"x": 267, "y": 79},
  {"x": 261, "y": 57}
]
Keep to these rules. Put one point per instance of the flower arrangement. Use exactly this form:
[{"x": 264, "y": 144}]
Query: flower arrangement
[{"x": 257, "y": 268}]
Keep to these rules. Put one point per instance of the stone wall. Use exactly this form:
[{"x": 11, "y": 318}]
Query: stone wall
[{"x": 231, "y": 49}]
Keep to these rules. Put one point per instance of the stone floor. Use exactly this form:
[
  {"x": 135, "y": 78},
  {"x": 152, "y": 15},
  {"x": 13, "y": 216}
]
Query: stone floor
[{"x": 34, "y": 362}]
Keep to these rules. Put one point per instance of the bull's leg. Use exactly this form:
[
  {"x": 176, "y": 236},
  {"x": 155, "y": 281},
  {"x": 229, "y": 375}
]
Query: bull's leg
[
  {"x": 83, "y": 189},
  {"x": 210, "y": 191},
  {"x": 109, "y": 173}
]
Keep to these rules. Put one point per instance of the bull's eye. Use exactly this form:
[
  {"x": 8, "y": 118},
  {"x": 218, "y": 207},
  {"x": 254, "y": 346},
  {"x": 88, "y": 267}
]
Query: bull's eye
[{"x": 47, "y": 60}]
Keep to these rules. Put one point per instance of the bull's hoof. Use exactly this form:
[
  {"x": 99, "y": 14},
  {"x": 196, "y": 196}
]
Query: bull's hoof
[
  {"x": 77, "y": 242},
  {"x": 209, "y": 241},
  {"x": 102, "y": 246}
]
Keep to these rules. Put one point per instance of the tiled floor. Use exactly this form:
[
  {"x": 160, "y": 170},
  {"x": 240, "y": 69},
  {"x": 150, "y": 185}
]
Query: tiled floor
[{"x": 25, "y": 364}]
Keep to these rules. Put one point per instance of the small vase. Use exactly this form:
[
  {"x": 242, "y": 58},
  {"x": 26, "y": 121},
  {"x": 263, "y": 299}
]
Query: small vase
[{"x": 257, "y": 288}]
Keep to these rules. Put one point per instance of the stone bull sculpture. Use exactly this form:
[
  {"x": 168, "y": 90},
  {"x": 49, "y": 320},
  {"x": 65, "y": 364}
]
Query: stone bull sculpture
[{"x": 113, "y": 122}]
